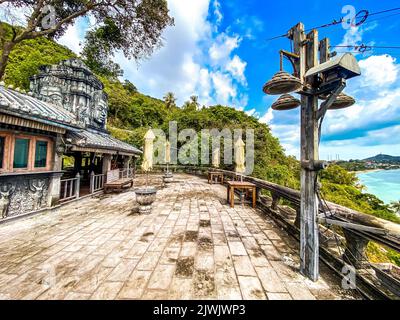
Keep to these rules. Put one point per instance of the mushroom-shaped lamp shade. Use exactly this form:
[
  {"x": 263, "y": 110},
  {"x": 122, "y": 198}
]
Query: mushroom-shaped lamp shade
[
  {"x": 282, "y": 82},
  {"x": 342, "y": 101},
  {"x": 285, "y": 102}
]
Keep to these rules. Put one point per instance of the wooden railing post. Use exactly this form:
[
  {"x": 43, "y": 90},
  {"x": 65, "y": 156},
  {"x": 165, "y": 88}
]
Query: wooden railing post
[
  {"x": 275, "y": 201},
  {"x": 91, "y": 182},
  {"x": 77, "y": 185},
  {"x": 355, "y": 249}
]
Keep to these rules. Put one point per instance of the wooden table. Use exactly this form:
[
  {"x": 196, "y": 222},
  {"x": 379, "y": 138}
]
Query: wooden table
[
  {"x": 214, "y": 174},
  {"x": 232, "y": 185}
]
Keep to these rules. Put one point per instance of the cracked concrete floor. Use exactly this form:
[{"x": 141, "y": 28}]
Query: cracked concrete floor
[{"x": 192, "y": 246}]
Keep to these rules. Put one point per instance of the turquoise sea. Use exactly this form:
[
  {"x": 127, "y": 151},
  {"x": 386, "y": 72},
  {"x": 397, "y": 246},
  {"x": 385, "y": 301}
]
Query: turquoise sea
[{"x": 385, "y": 184}]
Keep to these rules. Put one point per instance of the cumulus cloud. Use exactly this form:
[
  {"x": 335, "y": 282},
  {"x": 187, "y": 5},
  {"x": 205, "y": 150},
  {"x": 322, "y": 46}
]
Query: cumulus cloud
[
  {"x": 378, "y": 71},
  {"x": 222, "y": 47},
  {"x": 195, "y": 60},
  {"x": 237, "y": 67}
]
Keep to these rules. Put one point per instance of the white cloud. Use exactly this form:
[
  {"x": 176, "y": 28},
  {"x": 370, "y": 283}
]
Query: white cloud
[
  {"x": 193, "y": 60},
  {"x": 379, "y": 71},
  {"x": 222, "y": 47},
  {"x": 225, "y": 90},
  {"x": 217, "y": 12},
  {"x": 237, "y": 67},
  {"x": 74, "y": 36},
  {"x": 268, "y": 116}
]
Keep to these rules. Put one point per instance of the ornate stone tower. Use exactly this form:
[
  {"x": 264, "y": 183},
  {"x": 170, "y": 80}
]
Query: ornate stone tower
[{"x": 72, "y": 86}]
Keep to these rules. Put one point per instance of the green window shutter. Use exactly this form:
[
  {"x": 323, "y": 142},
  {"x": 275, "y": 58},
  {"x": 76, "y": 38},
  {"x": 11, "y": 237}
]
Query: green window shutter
[
  {"x": 41, "y": 154},
  {"x": 21, "y": 152}
]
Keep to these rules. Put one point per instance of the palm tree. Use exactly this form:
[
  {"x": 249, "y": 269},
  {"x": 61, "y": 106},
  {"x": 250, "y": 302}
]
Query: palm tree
[
  {"x": 195, "y": 101},
  {"x": 395, "y": 206},
  {"x": 170, "y": 100}
]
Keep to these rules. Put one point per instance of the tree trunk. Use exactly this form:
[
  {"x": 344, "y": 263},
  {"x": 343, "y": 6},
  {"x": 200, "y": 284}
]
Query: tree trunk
[{"x": 5, "y": 54}]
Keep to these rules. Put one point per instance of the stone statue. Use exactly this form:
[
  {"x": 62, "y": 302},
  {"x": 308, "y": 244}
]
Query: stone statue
[
  {"x": 5, "y": 201},
  {"x": 37, "y": 193},
  {"x": 99, "y": 108}
]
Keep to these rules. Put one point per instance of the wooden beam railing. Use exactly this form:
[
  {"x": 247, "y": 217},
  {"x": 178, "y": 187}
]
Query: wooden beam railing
[
  {"x": 96, "y": 182},
  {"x": 70, "y": 188}
]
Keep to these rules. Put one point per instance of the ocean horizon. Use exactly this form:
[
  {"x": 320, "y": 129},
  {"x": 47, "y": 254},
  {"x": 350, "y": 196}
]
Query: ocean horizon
[{"x": 385, "y": 184}]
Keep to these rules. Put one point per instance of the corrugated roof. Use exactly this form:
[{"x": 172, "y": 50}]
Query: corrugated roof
[
  {"x": 26, "y": 106},
  {"x": 92, "y": 139}
]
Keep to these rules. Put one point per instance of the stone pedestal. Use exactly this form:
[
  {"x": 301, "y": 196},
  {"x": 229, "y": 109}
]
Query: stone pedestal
[{"x": 168, "y": 177}]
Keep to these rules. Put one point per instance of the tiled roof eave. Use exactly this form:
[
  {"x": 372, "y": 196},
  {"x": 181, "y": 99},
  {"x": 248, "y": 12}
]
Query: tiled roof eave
[{"x": 39, "y": 119}]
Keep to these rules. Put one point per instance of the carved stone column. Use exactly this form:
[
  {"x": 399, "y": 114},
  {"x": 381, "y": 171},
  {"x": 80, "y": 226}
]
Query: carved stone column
[{"x": 355, "y": 249}]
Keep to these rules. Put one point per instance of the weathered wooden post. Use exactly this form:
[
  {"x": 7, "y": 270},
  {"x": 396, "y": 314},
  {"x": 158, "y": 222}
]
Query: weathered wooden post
[
  {"x": 91, "y": 182},
  {"x": 309, "y": 241},
  {"x": 77, "y": 185}
]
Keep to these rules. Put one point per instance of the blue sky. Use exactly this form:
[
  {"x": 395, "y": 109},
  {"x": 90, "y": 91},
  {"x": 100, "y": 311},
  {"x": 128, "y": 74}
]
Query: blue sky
[{"x": 219, "y": 51}]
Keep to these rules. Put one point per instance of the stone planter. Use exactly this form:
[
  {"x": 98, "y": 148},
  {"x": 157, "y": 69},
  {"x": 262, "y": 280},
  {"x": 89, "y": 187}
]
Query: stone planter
[
  {"x": 145, "y": 198},
  {"x": 389, "y": 275},
  {"x": 168, "y": 177}
]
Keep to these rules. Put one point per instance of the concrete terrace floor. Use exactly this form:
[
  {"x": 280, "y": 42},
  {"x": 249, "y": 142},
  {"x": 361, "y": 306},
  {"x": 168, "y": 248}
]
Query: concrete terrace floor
[{"x": 192, "y": 246}]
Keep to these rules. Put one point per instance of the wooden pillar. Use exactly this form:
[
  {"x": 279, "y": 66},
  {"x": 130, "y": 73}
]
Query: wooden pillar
[
  {"x": 78, "y": 161},
  {"x": 307, "y": 49}
]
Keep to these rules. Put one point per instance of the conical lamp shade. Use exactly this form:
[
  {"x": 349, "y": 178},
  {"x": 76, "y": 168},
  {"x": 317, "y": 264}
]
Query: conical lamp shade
[
  {"x": 282, "y": 82},
  {"x": 286, "y": 102},
  {"x": 342, "y": 101}
]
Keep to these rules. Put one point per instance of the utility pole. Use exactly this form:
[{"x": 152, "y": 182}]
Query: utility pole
[{"x": 314, "y": 79}]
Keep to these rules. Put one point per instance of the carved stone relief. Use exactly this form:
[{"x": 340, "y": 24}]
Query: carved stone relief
[{"x": 23, "y": 194}]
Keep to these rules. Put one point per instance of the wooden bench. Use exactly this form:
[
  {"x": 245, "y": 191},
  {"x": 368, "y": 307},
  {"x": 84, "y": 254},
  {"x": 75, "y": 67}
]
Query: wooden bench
[
  {"x": 117, "y": 182},
  {"x": 118, "y": 185}
]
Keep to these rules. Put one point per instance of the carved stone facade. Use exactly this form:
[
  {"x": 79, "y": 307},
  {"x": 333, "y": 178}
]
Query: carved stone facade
[
  {"x": 22, "y": 194},
  {"x": 72, "y": 86}
]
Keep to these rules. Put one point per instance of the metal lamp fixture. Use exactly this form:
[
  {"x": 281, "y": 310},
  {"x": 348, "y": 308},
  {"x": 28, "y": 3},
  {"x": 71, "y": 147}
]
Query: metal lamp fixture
[
  {"x": 286, "y": 102},
  {"x": 342, "y": 101},
  {"x": 281, "y": 83}
]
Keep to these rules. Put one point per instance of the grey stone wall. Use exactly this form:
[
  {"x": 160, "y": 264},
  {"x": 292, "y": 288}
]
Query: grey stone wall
[{"x": 21, "y": 194}]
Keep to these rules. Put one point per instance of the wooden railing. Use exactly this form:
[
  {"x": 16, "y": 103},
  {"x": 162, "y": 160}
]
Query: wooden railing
[
  {"x": 96, "y": 182},
  {"x": 126, "y": 173},
  {"x": 352, "y": 230},
  {"x": 70, "y": 188}
]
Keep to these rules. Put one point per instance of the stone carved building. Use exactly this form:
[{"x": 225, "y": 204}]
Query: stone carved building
[
  {"x": 72, "y": 86},
  {"x": 62, "y": 118}
]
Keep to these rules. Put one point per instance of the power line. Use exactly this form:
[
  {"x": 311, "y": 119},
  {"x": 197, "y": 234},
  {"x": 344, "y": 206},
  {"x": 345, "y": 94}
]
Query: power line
[{"x": 336, "y": 22}]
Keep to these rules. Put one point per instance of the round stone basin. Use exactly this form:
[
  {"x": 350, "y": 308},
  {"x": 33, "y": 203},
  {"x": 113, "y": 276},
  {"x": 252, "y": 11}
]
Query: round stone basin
[{"x": 145, "y": 198}]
